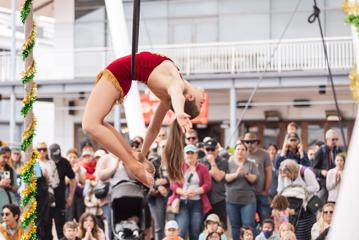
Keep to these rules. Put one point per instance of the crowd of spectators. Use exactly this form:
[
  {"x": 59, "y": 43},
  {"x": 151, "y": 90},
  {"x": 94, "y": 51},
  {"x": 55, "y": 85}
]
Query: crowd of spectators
[{"x": 249, "y": 185}]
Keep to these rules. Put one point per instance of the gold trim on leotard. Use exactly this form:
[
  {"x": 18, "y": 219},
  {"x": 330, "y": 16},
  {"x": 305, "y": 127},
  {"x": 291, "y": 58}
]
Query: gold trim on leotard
[{"x": 108, "y": 75}]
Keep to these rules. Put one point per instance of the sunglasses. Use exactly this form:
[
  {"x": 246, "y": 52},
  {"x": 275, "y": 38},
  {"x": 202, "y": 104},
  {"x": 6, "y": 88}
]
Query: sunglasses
[
  {"x": 42, "y": 149},
  {"x": 293, "y": 140},
  {"x": 335, "y": 139},
  {"x": 190, "y": 152},
  {"x": 191, "y": 138},
  {"x": 5, "y": 214},
  {"x": 326, "y": 212},
  {"x": 210, "y": 149},
  {"x": 250, "y": 142}
]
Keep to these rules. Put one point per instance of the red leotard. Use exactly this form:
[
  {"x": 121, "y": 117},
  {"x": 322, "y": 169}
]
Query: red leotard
[{"x": 119, "y": 71}]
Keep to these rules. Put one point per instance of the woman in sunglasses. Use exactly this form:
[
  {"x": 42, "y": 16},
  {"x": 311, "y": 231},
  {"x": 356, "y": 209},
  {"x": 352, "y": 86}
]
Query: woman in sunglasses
[
  {"x": 241, "y": 197},
  {"x": 192, "y": 193},
  {"x": 324, "y": 220}
]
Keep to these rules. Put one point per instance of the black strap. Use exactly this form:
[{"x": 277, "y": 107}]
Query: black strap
[
  {"x": 311, "y": 19},
  {"x": 8, "y": 195},
  {"x": 135, "y": 33}
]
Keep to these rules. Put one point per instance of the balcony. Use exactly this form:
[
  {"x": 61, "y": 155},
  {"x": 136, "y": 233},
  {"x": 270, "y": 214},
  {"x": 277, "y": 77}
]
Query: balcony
[{"x": 293, "y": 55}]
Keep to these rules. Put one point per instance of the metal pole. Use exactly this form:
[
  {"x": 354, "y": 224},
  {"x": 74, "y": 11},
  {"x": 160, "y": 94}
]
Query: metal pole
[
  {"x": 117, "y": 117},
  {"x": 12, "y": 120},
  {"x": 233, "y": 115},
  {"x": 12, "y": 117}
]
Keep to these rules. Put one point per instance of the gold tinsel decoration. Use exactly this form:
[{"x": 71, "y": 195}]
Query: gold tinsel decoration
[
  {"x": 350, "y": 8},
  {"x": 29, "y": 131},
  {"x": 354, "y": 83},
  {"x": 29, "y": 72}
]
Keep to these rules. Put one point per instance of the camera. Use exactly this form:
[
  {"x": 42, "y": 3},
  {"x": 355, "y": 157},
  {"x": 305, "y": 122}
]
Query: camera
[{"x": 6, "y": 175}]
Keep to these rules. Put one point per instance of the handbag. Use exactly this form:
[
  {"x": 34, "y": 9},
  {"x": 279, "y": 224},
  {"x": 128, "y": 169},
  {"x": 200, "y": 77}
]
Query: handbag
[
  {"x": 101, "y": 189},
  {"x": 314, "y": 204}
]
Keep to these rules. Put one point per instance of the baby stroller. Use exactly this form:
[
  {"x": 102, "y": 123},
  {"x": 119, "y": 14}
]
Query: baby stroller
[
  {"x": 127, "y": 200},
  {"x": 303, "y": 220}
]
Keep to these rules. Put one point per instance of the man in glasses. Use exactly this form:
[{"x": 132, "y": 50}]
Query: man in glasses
[
  {"x": 191, "y": 137},
  {"x": 324, "y": 160},
  {"x": 10, "y": 229},
  {"x": 264, "y": 181},
  {"x": 293, "y": 149},
  {"x": 217, "y": 167}
]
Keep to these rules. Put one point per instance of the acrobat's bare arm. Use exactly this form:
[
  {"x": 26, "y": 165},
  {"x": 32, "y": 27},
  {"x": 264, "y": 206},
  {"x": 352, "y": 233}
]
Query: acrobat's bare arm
[{"x": 155, "y": 126}]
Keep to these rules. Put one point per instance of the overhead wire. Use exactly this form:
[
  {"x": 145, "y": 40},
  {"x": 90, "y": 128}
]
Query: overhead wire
[
  {"x": 264, "y": 71},
  {"x": 311, "y": 19}
]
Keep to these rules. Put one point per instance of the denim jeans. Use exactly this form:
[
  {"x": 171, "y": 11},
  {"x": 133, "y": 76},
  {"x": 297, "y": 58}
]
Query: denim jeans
[
  {"x": 263, "y": 207},
  {"x": 107, "y": 214},
  {"x": 241, "y": 215},
  {"x": 158, "y": 211},
  {"x": 190, "y": 218}
]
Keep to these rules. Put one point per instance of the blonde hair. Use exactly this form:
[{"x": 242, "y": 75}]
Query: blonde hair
[
  {"x": 288, "y": 235},
  {"x": 320, "y": 221},
  {"x": 284, "y": 227},
  {"x": 291, "y": 166}
]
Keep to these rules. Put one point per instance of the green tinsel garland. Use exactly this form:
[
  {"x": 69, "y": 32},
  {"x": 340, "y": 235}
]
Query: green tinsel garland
[
  {"x": 26, "y": 108},
  {"x": 25, "y": 223},
  {"x": 354, "y": 20},
  {"x": 25, "y": 10},
  {"x": 27, "y": 199},
  {"x": 25, "y": 53},
  {"x": 26, "y": 79},
  {"x": 27, "y": 142}
]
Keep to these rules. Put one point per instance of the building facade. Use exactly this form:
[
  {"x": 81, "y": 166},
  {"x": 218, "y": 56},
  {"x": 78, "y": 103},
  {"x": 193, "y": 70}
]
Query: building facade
[{"x": 221, "y": 45}]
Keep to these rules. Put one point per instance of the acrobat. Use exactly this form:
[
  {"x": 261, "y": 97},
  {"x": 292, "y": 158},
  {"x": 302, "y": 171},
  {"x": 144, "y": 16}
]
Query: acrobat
[{"x": 162, "y": 77}]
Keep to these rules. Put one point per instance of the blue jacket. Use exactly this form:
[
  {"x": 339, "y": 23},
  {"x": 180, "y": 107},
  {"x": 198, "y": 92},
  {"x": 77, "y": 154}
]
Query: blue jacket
[{"x": 295, "y": 156}]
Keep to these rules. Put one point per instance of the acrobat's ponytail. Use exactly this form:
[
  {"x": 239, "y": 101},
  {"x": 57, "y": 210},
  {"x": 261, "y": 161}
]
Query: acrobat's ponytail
[{"x": 172, "y": 154}]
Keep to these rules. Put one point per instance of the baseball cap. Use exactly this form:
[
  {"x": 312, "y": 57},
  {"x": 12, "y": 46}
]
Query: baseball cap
[
  {"x": 100, "y": 153},
  {"x": 213, "y": 218},
  {"x": 55, "y": 152},
  {"x": 87, "y": 152},
  {"x": 190, "y": 148},
  {"x": 171, "y": 224},
  {"x": 211, "y": 143},
  {"x": 293, "y": 136}
]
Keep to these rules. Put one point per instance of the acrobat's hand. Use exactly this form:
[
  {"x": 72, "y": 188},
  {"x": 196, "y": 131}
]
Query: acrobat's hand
[
  {"x": 184, "y": 121},
  {"x": 139, "y": 172}
]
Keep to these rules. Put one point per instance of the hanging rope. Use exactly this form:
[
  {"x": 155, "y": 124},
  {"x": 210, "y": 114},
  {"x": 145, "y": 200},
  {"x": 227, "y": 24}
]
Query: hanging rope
[
  {"x": 135, "y": 34},
  {"x": 264, "y": 71},
  {"x": 311, "y": 19}
]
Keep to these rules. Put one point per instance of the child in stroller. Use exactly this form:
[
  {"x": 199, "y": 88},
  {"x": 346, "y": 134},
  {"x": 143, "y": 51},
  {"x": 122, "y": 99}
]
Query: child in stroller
[{"x": 127, "y": 197}]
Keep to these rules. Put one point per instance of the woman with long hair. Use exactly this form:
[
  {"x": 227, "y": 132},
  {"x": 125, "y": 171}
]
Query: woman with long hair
[
  {"x": 89, "y": 229},
  {"x": 192, "y": 194},
  {"x": 334, "y": 177},
  {"x": 324, "y": 221},
  {"x": 241, "y": 198},
  {"x": 162, "y": 77}
]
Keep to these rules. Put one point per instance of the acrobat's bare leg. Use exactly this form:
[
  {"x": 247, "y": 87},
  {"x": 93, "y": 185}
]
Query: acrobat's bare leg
[{"x": 98, "y": 106}]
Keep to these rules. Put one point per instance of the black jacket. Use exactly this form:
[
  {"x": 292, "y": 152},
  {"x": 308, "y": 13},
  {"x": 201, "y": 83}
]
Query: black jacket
[{"x": 321, "y": 159}]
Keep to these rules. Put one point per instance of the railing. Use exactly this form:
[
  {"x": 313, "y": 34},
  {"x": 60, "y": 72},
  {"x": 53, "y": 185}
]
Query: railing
[{"x": 238, "y": 57}]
